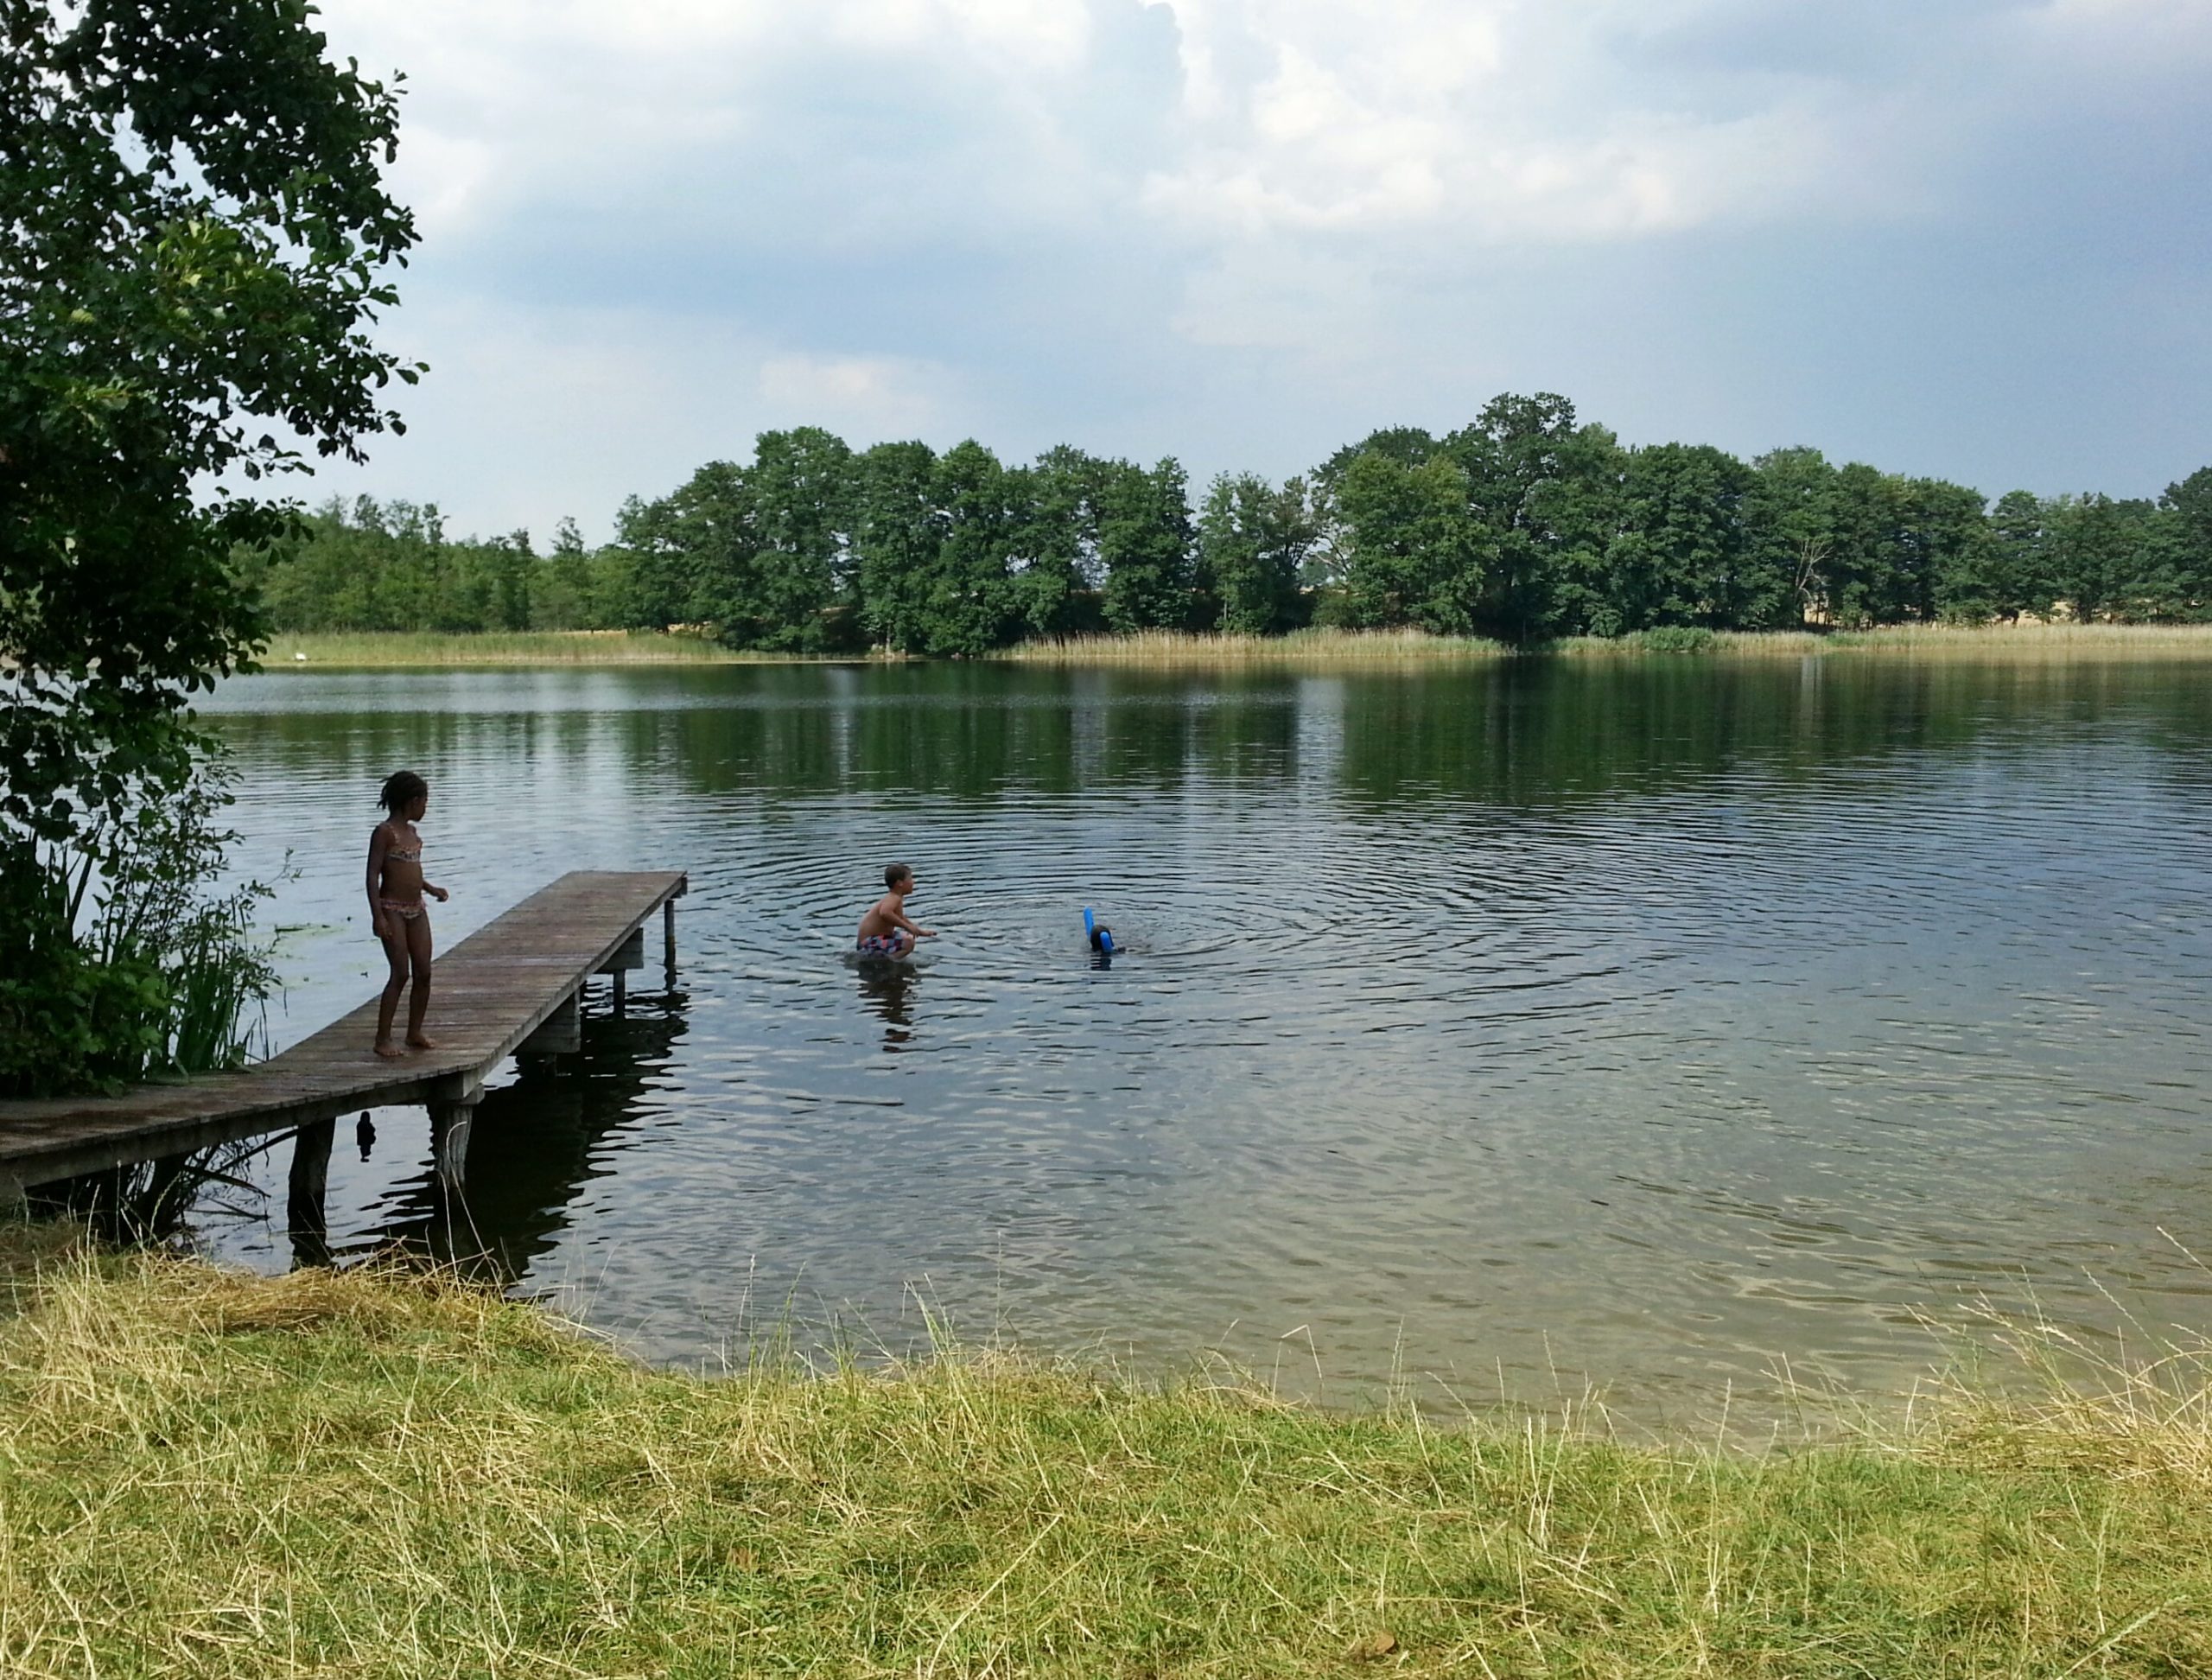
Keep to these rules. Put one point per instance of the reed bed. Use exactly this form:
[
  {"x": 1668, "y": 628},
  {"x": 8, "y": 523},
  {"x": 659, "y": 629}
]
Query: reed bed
[
  {"x": 376, "y": 1473},
  {"x": 1300, "y": 647},
  {"x": 1315, "y": 649},
  {"x": 371, "y": 649},
  {"x": 2026, "y": 642}
]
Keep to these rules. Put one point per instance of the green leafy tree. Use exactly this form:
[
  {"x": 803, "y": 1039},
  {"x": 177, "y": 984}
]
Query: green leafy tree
[
  {"x": 1145, "y": 545},
  {"x": 1255, "y": 539},
  {"x": 1060, "y": 570},
  {"x": 1789, "y": 539},
  {"x": 2018, "y": 557},
  {"x": 193, "y": 240},
  {"x": 2118, "y": 559},
  {"x": 971, "y": 605},
  {"x": 1522, "y": 458},
  {"x": 898, "y": 528},
  {"x": 1678, "y": 557},
  {"x": 798, "y": 576},
  {"x": 1409, "y": 551},
  {"x": 2188, "y": 506},
  {"x": 659, "y": 573},
  {"x": 565, "y": 595}
]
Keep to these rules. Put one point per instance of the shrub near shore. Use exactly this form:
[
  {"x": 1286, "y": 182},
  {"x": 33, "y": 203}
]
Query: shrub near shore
[{"x": 348, "y": 1473}]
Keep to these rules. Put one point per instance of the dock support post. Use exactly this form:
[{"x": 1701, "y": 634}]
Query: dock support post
[
  {"x": 630, "y": 954},
  {"x": 562, "y": 1035},
  {"x": 668, "y": 943},
  {"x": 451, "y": 1113},
  {"x": 306, "y": 1216},
  {"x": 449, "y": 1125}
]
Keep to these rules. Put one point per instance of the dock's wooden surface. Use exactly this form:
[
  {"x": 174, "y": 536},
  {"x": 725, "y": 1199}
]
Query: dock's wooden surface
[{"x": 487, "y": 995}]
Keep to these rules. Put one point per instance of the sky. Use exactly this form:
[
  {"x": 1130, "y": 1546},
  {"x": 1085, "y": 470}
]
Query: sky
[{"x": 1970, "y": 239}]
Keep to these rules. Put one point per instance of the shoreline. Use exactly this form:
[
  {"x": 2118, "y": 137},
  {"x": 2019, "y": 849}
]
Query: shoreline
[
  {"x": 297, "y": 1471},
  {"x": 1310, "y": 649}
]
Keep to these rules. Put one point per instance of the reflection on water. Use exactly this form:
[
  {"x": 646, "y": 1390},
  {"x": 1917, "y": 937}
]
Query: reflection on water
[{"x": 1654, "y": 1022}]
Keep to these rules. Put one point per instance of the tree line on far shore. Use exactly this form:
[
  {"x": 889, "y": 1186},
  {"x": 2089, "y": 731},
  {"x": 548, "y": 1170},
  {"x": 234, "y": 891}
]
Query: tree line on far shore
[{"x": 1525, "y": 526}]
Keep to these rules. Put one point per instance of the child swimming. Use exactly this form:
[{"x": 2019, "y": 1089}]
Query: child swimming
[
  {"x": 884, "y": 930},
  {"x": 397, "y": 912}
]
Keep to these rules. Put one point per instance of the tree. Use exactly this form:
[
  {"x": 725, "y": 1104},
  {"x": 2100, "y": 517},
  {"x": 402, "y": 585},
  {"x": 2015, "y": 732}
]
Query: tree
[
  {"x": 2188, "y": 506},
  {"x": 1516, "y": 456},
  {"x": 2092, "y": 554},
  {"x": 1061, "y": 572},
  {"x": 898, "y": 530},
  {"x": 1145, "y": 545},
  {"x": 566, "y": 597},
  {"x": 799, "y": 571},
  {"x": 1254, "y": 541},
  {"x": 1409, "y": 551},
  {"x": 194, "y": 235},
  {"x": 1789, "y": 539},
  {"x": 1678, "y": 558},
  {"x": 2018, "y": 557},
  {"x": 970, "y": 605}
]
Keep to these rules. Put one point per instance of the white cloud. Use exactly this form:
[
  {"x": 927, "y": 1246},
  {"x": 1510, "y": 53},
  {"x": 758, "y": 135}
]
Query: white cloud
[
  {"x": 1150, "y": 224},
  {"x": 871, "y": 397}
]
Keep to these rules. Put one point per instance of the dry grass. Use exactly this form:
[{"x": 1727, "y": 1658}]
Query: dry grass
[
  {"x": 1310, "y": 649},
  {"x": 355, "y": 1475},
  {"x": 1301, "y": 647},
  {"x": 1998, "y": 643},
  {"x": 546, "y": 647}
]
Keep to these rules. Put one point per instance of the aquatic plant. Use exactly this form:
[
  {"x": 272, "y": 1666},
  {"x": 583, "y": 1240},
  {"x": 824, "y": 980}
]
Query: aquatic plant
[{"x": 140, "y": 961}]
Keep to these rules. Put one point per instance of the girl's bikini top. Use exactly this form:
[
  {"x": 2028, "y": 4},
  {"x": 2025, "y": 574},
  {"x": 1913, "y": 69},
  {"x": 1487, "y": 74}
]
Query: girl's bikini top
[{"x": 405, "y": 854}]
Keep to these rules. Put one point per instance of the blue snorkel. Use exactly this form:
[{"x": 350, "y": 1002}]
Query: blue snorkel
[{"x": 1100, "y": 936}]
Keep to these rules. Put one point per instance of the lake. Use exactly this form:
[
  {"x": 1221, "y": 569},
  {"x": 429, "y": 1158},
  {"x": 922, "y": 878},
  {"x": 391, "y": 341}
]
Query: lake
[{"x": 1494, "y": 1029}]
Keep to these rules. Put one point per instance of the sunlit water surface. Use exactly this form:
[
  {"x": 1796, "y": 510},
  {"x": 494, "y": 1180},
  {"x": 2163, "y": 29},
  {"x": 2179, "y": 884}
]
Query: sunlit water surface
[{"x": 1659, "y": 1025}]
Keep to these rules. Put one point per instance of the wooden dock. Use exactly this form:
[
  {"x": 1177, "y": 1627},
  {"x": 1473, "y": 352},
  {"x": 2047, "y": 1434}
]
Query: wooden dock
[{"x": 510, "y": 986}]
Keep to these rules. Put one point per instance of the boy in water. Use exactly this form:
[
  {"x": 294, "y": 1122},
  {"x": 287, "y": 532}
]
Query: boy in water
[{"x": 884, "y": 930}]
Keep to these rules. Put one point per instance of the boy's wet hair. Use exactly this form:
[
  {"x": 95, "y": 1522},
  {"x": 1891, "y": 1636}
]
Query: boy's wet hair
[
  {"x": 895, "y": 873},
  {"x": 401, "y": 789}
]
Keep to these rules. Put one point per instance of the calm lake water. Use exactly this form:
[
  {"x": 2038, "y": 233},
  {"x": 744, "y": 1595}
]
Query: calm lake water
[{"x": 1654, "y": 1024}]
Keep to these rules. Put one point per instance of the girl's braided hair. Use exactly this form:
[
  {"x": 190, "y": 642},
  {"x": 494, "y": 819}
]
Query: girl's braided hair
[{"x": 401, "y": 789}]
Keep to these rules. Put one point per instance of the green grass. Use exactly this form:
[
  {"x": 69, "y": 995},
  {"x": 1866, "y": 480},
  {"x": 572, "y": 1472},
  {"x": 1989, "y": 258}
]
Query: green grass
[{"x": 203, "y": 1473}]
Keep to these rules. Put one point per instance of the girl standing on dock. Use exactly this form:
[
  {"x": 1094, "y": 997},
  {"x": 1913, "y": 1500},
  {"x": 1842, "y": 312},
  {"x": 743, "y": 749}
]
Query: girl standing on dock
[{"x": 396, "y": 912}]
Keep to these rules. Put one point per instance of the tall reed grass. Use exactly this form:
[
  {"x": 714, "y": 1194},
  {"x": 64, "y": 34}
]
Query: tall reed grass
[
  {"x": 545, "y": 648},
  {"x": 2027, "y": 642},
  {"x": 363, "y": 1473},
  {"x": 1300, "y": 647}
]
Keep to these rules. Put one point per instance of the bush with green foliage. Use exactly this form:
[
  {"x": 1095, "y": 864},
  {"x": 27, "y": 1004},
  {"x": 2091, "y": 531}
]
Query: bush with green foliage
[{"x": 194, "y": 237}]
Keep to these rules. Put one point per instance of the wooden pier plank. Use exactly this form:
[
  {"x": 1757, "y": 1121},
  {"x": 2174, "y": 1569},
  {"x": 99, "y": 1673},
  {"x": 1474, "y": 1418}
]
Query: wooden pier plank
[{"x": 488, "y": 993}]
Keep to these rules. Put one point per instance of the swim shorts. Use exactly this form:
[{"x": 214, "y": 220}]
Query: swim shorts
[{"x": 881, "y": 944}]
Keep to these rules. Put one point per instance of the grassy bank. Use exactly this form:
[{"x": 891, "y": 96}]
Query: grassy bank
[
  {"x": 1383, "y": 649},
  {"x": 1300, "y": 647},
  {"x": 2023, "y": 642},
  {"x": 369, "y": 649},
  {"x": 205, "y": 1473},
  {"x": 1315, "y": 649}
]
